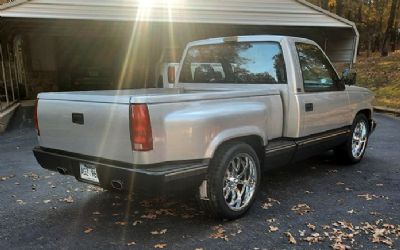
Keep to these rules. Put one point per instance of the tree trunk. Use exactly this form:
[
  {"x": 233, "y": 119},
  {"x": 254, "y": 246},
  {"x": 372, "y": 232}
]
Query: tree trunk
[
  {"x": 394, "y": 36},
  {"x": 369, "y": 46},
  {"x": 324, "y": 4},
  {"x": 340, "y": 7},
  {"x": 359, "y": 13},
  {"x": 389, "y": 28}
]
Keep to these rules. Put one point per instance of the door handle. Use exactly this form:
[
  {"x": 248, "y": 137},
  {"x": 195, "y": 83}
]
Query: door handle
[
  {"x": 309, "y": 107},
  {"x": 78, "y": 118}
]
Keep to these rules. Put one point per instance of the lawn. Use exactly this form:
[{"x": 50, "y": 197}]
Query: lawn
[{"x": 382, "y": 76}]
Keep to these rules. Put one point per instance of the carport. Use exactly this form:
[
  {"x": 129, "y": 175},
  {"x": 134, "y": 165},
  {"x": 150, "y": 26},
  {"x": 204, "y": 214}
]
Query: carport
[{"x": 58, "y": 45}]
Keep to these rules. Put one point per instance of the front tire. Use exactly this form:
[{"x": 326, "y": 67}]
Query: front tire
[
  {"x": 233, "y": 181},
  {"x": 354, "y": 149}
]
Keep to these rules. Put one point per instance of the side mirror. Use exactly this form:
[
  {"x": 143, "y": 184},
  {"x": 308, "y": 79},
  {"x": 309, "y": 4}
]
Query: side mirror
[
  {"x": 171, "y": 74},
  {"x": 349, "y": 78}
]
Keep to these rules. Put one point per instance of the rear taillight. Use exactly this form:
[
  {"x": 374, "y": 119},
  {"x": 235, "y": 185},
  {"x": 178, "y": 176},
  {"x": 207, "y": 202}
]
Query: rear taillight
[
  {"x": 140, "y": 128},
  {"x": 35, "y": 117}
]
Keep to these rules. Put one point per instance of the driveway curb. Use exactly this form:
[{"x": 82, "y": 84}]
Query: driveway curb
[{"x": 387, "y": 110}]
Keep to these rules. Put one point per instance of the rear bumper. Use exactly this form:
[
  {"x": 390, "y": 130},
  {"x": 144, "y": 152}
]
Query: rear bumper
[{"x": 158, "y": 177}]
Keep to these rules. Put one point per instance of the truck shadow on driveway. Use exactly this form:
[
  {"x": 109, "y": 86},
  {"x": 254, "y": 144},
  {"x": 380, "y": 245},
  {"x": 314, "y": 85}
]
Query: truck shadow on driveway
[{"x": 119, "y": 219}]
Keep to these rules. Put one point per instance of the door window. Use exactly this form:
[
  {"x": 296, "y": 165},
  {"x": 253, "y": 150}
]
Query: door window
[{"x": 318, "y": 73}]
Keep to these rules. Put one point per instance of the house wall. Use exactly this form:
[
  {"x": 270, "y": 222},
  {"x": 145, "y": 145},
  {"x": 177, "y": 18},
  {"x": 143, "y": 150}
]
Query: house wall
[{"x": 41, "y": 64}]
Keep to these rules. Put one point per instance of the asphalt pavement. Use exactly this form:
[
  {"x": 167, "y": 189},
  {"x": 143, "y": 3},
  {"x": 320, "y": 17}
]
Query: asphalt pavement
[{"x": 316, "y": 204}]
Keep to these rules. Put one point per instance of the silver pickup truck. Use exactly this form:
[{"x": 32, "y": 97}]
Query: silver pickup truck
[{"x": 240, "y": 105}]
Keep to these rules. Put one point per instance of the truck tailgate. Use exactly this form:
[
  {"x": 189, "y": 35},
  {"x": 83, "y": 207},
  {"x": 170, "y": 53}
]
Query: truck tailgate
[{"x": 99, "y": 129}]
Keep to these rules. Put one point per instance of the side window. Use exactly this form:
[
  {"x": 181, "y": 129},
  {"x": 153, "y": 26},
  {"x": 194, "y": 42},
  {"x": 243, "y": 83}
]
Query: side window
[
  {"x": 240, "y": 62},
  {"x": 318, "y": 73}
]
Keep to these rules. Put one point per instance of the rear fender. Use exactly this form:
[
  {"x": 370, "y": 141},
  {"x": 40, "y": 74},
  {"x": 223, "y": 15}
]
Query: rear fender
[{"x": 234, "y": 133}]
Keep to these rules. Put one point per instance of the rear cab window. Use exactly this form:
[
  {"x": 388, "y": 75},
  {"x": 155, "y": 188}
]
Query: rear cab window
[{"x": 235, "y": 62}]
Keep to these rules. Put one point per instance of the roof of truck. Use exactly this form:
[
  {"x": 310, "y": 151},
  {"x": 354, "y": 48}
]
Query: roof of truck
[{"x": 250, "y": 38}]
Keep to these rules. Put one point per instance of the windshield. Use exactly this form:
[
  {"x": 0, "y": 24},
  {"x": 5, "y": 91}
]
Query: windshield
[{"x": 242, "y": 62}]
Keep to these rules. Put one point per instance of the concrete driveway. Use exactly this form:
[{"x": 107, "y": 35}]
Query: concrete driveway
[{"x": 315, "y": 204}]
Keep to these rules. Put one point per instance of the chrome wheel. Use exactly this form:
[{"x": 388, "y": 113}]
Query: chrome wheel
[
  {"x": 359, "y": 140},
  {"x": 239, "y": 183}
]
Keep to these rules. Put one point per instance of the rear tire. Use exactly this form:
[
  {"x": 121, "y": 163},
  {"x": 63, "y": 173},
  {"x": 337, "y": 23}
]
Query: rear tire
[
  {"x": 233, "y": 181},
  {"x": 353, "y": 150}
]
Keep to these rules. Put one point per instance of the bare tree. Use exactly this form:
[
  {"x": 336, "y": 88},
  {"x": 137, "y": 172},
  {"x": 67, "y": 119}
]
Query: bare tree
[
  {"x": 390, "y": 28},
  {"x": 339, "y": 7},
  {"x": 325, "y": 4}
]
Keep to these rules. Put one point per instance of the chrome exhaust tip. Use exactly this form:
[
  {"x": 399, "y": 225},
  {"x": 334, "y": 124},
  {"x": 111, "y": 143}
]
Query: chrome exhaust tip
[
  {"x": 117, "y": 184},
  {"x": 62, "y": 171}
]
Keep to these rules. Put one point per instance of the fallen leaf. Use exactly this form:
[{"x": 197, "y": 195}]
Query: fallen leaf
[
  {"x": 4, "y": 178},
  {"x": 273, "y": 229},
  {"x": 351, "y": 211},
  {"x": 160, "y": 245},
  {"x": 31, "y": 175},
  {"x": 187, "y": 216},
  {"x": 340, "y": 246},
  {"x": 313, "y": 238},
  {"x": 291, "y": 239},
  {"x": 274, "y": 201},
  {"x": 88, "y": 230},
  {"x": 311, "y": 226},
  {"x": 301, "y": 209},
  {"x": 69, "y": 199},
  {"x": 150, "y": 216},
  {"x": 239, "y": 231},
  {"x": 219, "y": 233},
  {"x": 266, "y": 205},
  {"x": 21, "y": 202},
  {"x": 367, "y": 197},
  {"x": 163, "y": 231},
  {"x": 121, "y": 223},
  {"x": 137, "y": 222},
  {"x": 387, "y": 241}
]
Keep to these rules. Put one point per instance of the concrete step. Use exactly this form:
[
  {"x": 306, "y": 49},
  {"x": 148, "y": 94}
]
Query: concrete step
[{"x": 6, "y": 115}]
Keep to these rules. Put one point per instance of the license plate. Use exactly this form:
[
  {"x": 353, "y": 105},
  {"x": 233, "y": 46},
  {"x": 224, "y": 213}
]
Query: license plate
[{"x": 88, "y": 172}]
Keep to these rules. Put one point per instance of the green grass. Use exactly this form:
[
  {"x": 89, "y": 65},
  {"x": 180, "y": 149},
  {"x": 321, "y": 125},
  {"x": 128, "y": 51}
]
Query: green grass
[{"x": 382, "y": 76}]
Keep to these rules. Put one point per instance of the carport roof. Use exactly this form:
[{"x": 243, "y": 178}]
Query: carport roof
[
  {"x": 252, "y": 12},
  {"x": 337, "y": 35}
]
